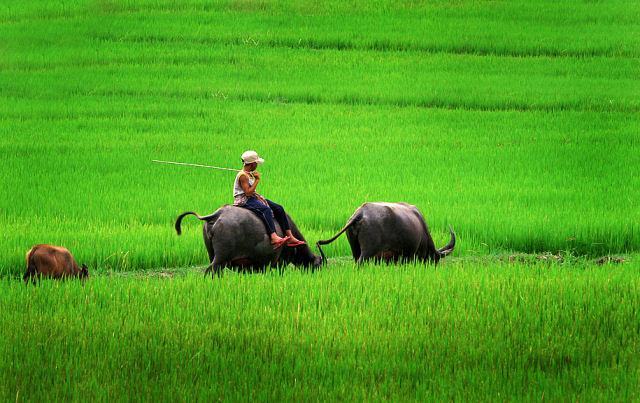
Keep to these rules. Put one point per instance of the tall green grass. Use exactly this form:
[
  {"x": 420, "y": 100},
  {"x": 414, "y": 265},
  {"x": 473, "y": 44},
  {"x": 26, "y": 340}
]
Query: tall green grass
[
  {"x": 171, "y": 72},
  {"x": 570, "y": 28},
  {"x": 515, "y": 123},
  {"x": 464, "y": 331},
  {"x": 504, "y": 180}
]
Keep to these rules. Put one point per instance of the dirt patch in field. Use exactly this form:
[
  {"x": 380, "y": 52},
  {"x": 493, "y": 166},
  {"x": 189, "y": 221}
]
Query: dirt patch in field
[
  {"x": 531, "y": 258},
  {"x": 610, "y": 260},
  {"x": 559, "y": 258},
  {"x": 164, "y": 273}
]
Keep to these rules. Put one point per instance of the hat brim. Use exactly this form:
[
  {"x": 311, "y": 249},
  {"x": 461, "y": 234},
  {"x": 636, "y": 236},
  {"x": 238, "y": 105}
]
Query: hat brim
[{"x": 260, "y": 161}]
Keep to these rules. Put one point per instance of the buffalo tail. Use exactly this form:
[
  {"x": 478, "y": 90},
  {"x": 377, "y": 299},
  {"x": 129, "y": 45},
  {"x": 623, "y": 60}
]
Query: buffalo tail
[
  {"x": 205, "y": 218},
  {"x": 448, "y": 248},
  {"x": 354, "y": 218}
]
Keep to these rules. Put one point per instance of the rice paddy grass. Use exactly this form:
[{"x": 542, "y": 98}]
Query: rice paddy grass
[
  {"x": 505, "y": 180},
  {"x": 465, "y": 331},
  {"x": 514, "y": 122}
]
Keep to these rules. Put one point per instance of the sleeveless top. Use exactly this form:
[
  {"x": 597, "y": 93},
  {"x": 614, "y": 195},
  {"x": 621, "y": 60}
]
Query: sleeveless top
[{"x": 239, "y": 198}]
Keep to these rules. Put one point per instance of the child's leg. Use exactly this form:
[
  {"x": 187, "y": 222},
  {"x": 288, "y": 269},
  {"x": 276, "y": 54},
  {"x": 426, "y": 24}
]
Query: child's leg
[
  {"x": 264, "y": 212},
  {"x": 280, "y": 215}
]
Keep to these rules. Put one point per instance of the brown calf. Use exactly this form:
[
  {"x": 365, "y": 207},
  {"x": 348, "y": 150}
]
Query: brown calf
[{"x": 54, "y": 262}]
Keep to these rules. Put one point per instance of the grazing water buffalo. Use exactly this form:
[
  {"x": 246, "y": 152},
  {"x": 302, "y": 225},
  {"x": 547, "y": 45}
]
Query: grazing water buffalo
[
  {"x": 236, "y": 238},
  {"x": 390, "y": 232},
  {"x": 54, "y": 262}
]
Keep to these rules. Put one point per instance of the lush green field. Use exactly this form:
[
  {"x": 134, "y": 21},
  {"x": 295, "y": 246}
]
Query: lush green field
[
  {"x": 514, "y": 122},
  {"x": 468, "y": 331}
]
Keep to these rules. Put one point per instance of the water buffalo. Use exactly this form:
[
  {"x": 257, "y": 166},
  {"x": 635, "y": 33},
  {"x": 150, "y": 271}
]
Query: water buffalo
[
  {"x": 53, "y": 262},
  {"x": 236, "y": 238},
  {"x": 390, "y": 232}
]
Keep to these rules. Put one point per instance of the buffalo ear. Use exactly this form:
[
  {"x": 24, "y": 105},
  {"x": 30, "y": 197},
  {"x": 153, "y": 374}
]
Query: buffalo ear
[{"x": 85, "y": 271}]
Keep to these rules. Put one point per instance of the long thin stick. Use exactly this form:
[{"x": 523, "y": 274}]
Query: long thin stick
[{"x": 195, "y": 165}]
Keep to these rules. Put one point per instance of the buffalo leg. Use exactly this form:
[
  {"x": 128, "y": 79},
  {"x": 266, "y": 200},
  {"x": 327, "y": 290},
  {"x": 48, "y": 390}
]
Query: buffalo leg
[
  {"x": 216, "y": 271},
  {"x": 378, "y": 256},
  {"x": 430, "y": 259},
  {"x": 216, "y": 267},
  {"x": 208, "y": 269},
  {"x": 355, "y": 246},
  {"x": 29, "y": 278},
  {"x": 211, "y": 254},
  {"x": 208, "y": 245},
  {"x": 364, "y": 256},
  {"x": 212, "y": 258},
  {"x": 31, "y": 274}
]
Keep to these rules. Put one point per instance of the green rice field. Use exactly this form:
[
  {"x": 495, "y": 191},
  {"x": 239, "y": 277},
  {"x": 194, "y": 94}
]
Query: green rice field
[
  {"x": 467, "y": 331},
  {"x": 517, "y": 123}
]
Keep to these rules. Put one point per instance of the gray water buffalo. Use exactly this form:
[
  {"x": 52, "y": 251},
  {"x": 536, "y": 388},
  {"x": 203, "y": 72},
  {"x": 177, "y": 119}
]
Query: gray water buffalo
[
  {"x": 53, "y": 262},
  {"x": 390, "y": 232},
  {"x": 236, "y": 238}
]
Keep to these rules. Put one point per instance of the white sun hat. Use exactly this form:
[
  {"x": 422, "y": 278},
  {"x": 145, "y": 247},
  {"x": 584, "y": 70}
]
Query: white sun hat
[{"x": 249, "y": 157}]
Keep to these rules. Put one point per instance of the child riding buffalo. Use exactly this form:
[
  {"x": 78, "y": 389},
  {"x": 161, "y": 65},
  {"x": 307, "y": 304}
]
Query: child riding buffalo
[{"x": 245, "y": 195}]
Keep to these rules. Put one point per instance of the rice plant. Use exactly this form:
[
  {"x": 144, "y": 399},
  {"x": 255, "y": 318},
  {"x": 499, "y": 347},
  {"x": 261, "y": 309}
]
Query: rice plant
[
  {"x": 466, "y": 330},
  {"x": 514, "y": 122}
]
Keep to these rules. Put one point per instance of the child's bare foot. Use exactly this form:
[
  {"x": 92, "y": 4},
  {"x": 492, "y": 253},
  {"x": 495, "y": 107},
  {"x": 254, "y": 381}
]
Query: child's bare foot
[
  {"x": 293, "y": 242},
  {"x": 277, "y": 241}
]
